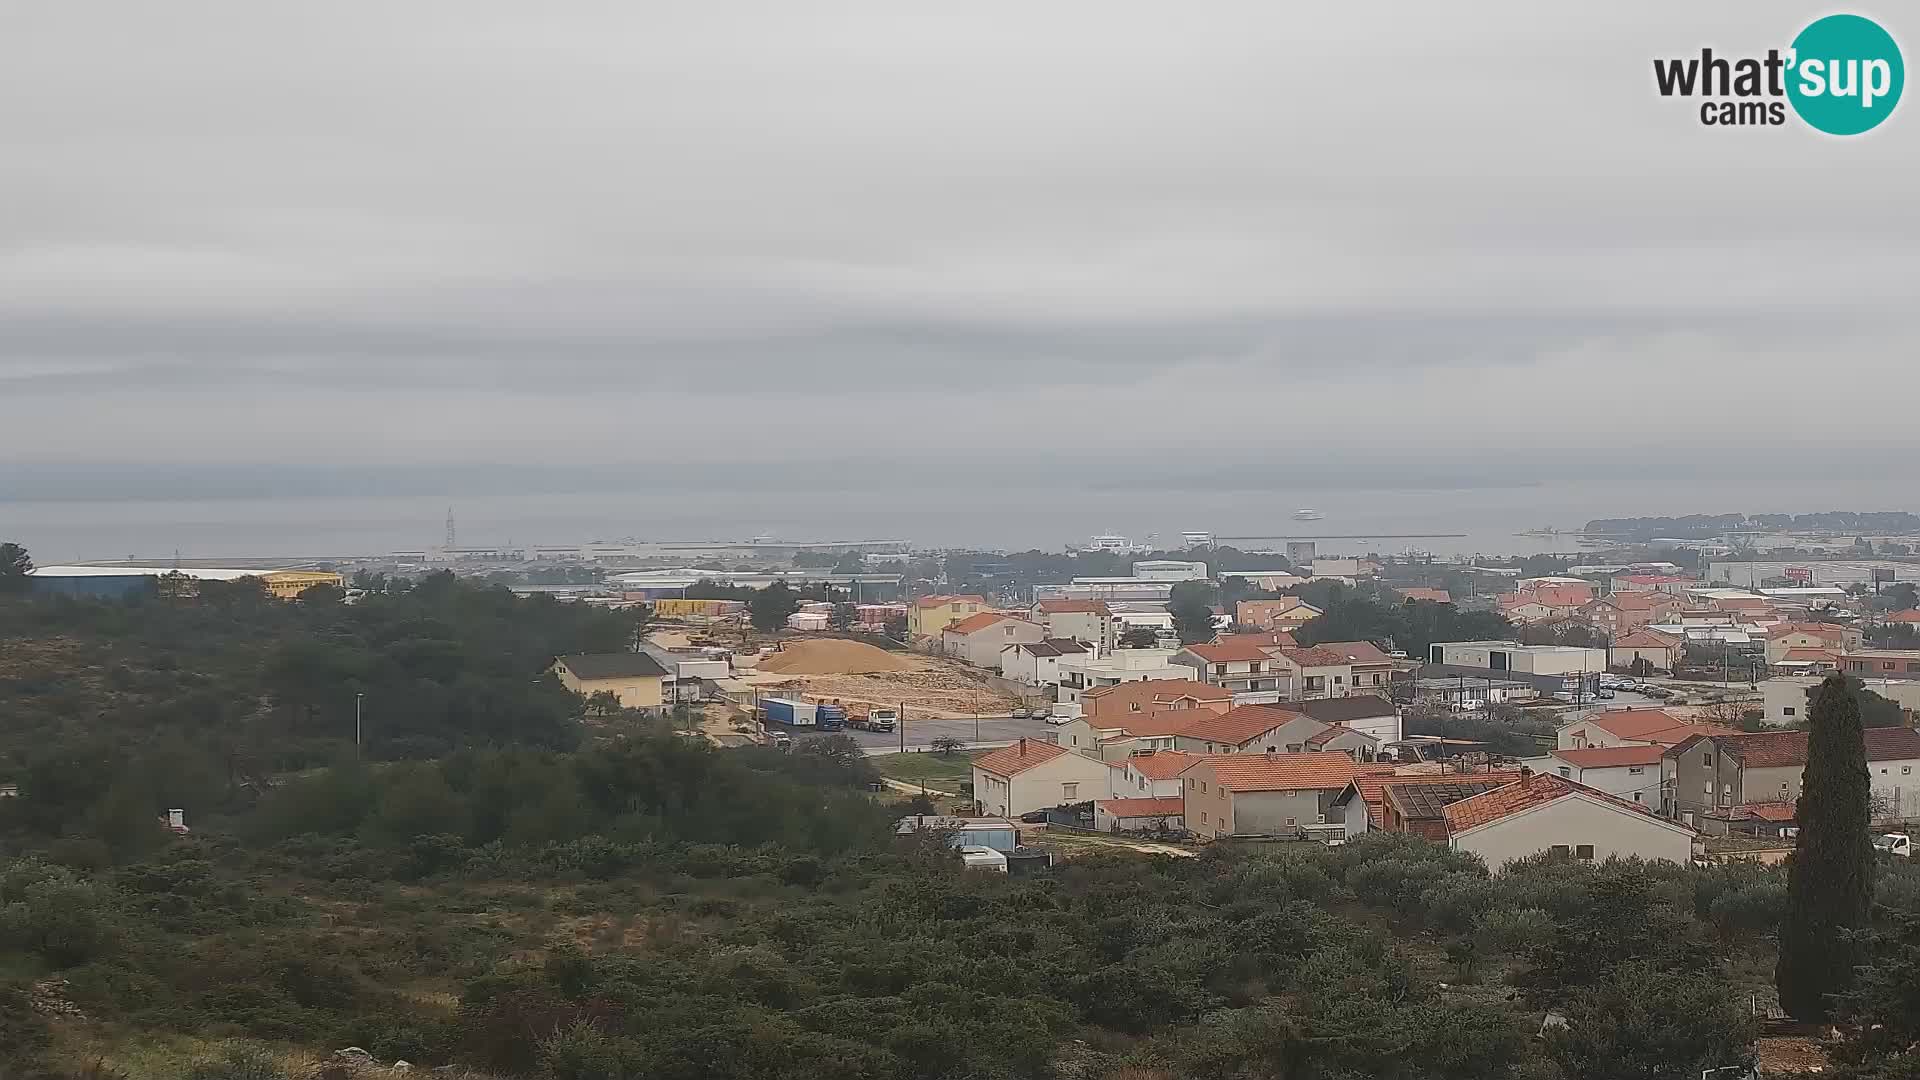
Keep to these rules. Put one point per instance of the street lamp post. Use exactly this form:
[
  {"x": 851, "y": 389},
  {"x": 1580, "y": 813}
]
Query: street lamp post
[{"x": 358, "y": 698}]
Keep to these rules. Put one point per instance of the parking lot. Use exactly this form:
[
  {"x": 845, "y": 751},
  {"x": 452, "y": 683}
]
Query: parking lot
[{"x": 920, "y": 734}]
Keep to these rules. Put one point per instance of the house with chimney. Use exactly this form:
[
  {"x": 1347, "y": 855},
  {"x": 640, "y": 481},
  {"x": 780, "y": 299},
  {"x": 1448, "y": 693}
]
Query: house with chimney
[
  {"x": 1033, "y": 775},
  {"x": 1716, "y": 773}
]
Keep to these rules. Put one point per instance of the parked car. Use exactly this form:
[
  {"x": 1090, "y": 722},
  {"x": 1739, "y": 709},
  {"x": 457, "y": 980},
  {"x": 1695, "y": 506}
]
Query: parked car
[
  {"x": 1021, "y": 712},
  {"x": 1033, "y": 817},
  {"x": 1059, "y": 721}
]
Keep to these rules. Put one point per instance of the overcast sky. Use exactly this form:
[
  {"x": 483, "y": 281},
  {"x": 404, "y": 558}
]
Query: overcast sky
[{"x": 1224, "y": 236}]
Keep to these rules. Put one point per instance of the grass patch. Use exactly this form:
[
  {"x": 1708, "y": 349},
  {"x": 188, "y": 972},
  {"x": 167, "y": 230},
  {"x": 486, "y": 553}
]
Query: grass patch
[{"x": 934, "y": 770}]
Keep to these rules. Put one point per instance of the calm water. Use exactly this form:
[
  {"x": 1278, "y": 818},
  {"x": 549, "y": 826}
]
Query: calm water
[{"x": 366, "y": 525}]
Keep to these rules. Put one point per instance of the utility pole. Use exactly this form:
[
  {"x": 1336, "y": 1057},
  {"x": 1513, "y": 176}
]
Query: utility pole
[
  {"x": 903, "y": 727},
  {"x": 358, "y": 699}
]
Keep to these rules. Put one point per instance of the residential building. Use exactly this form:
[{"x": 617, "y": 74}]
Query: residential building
[
  {"x": 1830, "y": 637},
  {"x": 1630, "y": 772},
  {"x": 1248, "y": 729},
  {"x": 1437, "y": 596},
  {"x": 1117, "y": 738},
  {"x": 1284, "y": 613},
  {"x": 1323, "y": 672},
  {"x": 1364, "y": 805},
  {"x": 1032, "y": 775},
  {"x": 1340, "y": 739},
  {"x": 1539, "y": 813},
  {"x": 1623, "y": 613},
  {"x": 1656, "y": 648},
  {"x": 1156, "y": 815},
  {"x": 1806, "y": 662},
  {"x": 1368, "y": 670},
  {"x": 1090, "y": 621},
  {"x": 1512, "y": 656},
  {"x": 1242, "y": 667},
  {"x": 1666, "y": 583},
  {"x": 1711, "y": 773},
  {"x": 1370, "y": 714},
  {"x": 1150, "y": 774},
  {"x": 1263, "y": 794},
  {"x": 978, "y": 639},
  {"x": 1909, "y": 617},
  {"x": 929, "y": 615},
  {"x": 1169, "y": 570},
  {"x": 1082, "y": 676},
  {"x": 1785, "y": 698},
  {"x": 634, "y": 678},
  {"x": 1129, "y": 698},
  {"x": 1881, "y": 663},
  {"x": 1633, "y": 727},
  {"x": 1037, "y": 663}
]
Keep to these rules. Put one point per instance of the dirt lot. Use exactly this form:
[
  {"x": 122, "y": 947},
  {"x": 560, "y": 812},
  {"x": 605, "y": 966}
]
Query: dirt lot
[{"x": 933, "y": 687}]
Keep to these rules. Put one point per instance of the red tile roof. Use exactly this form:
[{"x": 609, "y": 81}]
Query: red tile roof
[
  {"x": 1169, "y": 806},
  {"x": 1153, "y": 722},
  {"x": 1230, "y": 651},
  {"x": 1892, "y": 743},
  {"x": 1018, "y": 758},
  {"x": 1911, "y": 615},
  {"x": 1644, "y": 639},
  {"x": 1161, "y": 764},
  {"x": 1537, "y": 789},
  {"x": 1235, "y": 726},
  {"x": 1765, "y": 811},
  {"x": 1150, "y": 691},
  {"x": 1608, "y": 757},
  {"x": 1824, "y": 631},
  {"x": 1281, "y": 772},
  {"x": 1809, "y": 654}
]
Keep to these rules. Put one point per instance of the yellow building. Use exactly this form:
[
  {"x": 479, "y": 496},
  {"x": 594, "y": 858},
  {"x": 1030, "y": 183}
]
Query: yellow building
[
  {"x": 635, "y": 678},
  {"x": 929, "y": 615},
  {"x": 669, "y": 608},
  {"x": 289, "y": 584}
]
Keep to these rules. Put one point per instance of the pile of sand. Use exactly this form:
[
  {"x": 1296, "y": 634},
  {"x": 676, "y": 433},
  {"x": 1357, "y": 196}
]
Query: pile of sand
[{"x": 833, "y": 656}]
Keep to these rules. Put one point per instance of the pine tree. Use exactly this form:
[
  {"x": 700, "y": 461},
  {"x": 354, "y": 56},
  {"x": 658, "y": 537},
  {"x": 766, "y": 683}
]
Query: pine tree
[{"x": 1830, "y": 881}]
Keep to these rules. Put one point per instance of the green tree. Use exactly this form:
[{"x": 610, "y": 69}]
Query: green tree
[
  {"x": 1138, "y": 637},
  {"x": 842, "y": 616},
  {"x": 768, "y": 608},
  {"x": 1192, "y": 607},
  {"x": 1646, "y": 1024},
  {"x": 14, "y": 568},
  {"x": 1875, "y": 711},
  {"x": 945, "y": 745},
  {"x": 1830, "y": 879}
]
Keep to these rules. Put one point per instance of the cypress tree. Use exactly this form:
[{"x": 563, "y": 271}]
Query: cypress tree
[{"x": 1830, "y": 880}]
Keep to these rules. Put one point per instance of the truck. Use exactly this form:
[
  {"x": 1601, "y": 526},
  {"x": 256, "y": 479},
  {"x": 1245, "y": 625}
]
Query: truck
[
  {"x": 872, "y": 718},
  {"x": 789, "y": 713},
  {"x": 1896, "y": 844},
  {"x": 830, "y": 716}
]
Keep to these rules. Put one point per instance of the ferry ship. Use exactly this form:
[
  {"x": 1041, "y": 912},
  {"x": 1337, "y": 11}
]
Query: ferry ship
[{"x": 1307, "y": 513}]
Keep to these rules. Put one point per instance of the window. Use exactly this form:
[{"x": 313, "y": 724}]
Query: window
[
  {"x": 1566, "y": 772},
  {"x": 1584, "y": 851},
  {"x": 1069, "y": 791},
  {"x": 1219, "y": 669},
  {"x": 1203, "y": 817},
  {"x": 1223, "y": 794},
  {"x": 1706, "y": 759},
  {"x": 1788, "y": 711},
  {"x": 1338, "y": 679},
  {"x": 1636, "y": 796},
  {"x": 1561, "y": 849},
  {"x": 1289, "y": 823},
  {"x": 1293, "y": 747},
  {"x": 1635, "y": 770}
]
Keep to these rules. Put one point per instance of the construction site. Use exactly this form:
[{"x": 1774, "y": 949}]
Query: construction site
[{"x": 854, "y": 672}]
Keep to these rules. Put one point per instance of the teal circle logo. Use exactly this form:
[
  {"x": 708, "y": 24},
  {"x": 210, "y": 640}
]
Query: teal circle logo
[{"x": 1846, "y": 74}]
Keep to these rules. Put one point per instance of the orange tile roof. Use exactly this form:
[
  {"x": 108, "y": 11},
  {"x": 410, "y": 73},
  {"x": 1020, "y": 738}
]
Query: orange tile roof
[
  {"x": 1824, "y": 631},
  {"x": 1018, "y": 758},
  {"x": 1155, "y": 690},
  {"x": 1608, "y": 757},
  {"x": 1168, "y": 806},
  {"x": 1280, "y": 772},
  {"x": 1236, "y": 725},
  {"x": 975, "y": 623},
  {"x": 1161, "y": 764},
  {"x": 1229, "y": 652},
  {"x": 1065, "y": 607},
  {"x": 1766, "y": 811},
  {"x": 1644, "y": 639},
  {"x": 1150, "y": 723},
  {"x": 1357, "y": 652},
  {"x": 1804, "y": 652},
  {"x": 1653, "y": 725},
  {"x": 1535, "y": 789},
  {"x": 1911, "y": 615}
]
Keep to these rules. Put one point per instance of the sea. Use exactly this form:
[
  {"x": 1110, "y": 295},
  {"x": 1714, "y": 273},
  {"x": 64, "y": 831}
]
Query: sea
[{"x": 1445, "y": 523}]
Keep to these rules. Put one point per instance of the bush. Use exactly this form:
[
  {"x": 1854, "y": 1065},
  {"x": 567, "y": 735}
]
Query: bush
[
  {"x": 1457, "y": 903},
  {"x": 237, "y": 1061},
  {"x": 1756, "y": 908}
]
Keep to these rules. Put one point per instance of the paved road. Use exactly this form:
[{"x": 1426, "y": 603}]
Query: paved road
[{"x": 990, "y": 731}]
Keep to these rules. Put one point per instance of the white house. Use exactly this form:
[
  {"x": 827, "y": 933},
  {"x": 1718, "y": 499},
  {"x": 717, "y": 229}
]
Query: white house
[
  {"x": 1031, "y": 775},
  {"x": 1084, "y": 673},
  {"x": 1139, "y": 815},
  {"x": 1150, "y": 774},
  {"x": 978, "y": 639},
  {"x": 1089, "y": 621},
  {"x": 1037, "y": 663},
  {"x": 1630, "y": 772},
  {"x": 1543, "y": 812}
]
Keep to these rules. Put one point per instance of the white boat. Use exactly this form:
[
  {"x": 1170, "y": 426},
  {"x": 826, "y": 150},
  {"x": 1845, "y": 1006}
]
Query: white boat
[{"x": 1307, "y": 513}]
